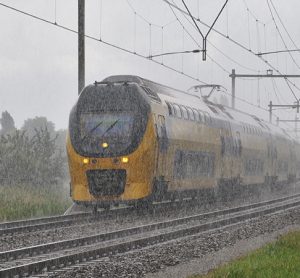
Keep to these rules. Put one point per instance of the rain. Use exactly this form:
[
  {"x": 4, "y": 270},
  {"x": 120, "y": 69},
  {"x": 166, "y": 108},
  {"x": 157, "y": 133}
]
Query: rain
[{"x": 149, "y": 138}]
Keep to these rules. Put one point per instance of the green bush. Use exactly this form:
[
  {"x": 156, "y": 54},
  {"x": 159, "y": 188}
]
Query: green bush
[
  {"x": 275, "y": 260},
  {"x": 30, "y": 160}
]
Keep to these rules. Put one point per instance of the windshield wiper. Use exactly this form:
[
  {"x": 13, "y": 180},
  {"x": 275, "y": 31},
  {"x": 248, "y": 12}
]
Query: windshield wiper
[
  {"x": 91, "y": 131},
  {"x": 109, "y": 128}
]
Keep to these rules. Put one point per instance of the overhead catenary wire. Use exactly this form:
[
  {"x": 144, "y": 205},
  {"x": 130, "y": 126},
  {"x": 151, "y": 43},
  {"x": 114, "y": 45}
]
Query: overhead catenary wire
[
  {"x": 196, "y": 42},
  {"x": 233, "y": 41},
  {"x": 163, "y": 28},
  {"x": 107, "y": 43},
  {"x": 238, "y": 98},
  {"x": 219, "y": 65},
  {"x": 104, "y": 42},
  {"x": 290, "y": 37},
  {"x": 100, "y": 18},
  {"x": 204, "y": 37},
  {"x": 212, "y": 45},
  {"x": 55, "y": 11},
  {"x": 251, "y": 13},
  {"x": 189, "y": 34},
  {"x": 281, "y": 36}
]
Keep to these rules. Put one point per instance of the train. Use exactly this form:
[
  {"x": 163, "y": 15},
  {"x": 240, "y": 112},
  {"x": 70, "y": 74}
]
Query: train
[{"x": 133, "y": 141}]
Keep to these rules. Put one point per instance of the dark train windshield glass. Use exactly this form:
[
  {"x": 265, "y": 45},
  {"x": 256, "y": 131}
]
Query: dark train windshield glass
[{"x": 107, "y": 130}]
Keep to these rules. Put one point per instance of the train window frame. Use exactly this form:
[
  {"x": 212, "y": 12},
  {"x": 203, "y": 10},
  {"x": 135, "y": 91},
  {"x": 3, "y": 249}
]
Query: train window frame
[
  {"x": 196, "y": 115},
  {"x": 191, "y": 113},
  {"x": 207, "y": 118},
  {"x": 177, "y": 111},
  {"x": 201, "y": 116},
  {"x": 170, "y": 109},
  {"x": 184, "y": 112}
]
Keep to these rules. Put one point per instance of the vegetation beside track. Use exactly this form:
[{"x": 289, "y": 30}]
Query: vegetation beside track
[
  {"x": 20, "y": 202},
  {"x": 278, "y": 259}
]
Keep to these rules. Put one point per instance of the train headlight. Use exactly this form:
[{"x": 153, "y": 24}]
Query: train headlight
[
  {"x": 125, "y": 159},
  {"x": 104, "y": 145},
  {"x": 85, "y": 161}
]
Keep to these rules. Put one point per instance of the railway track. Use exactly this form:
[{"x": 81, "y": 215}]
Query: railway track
[
  {"x": 60, "y": 221},
  {"x": 57, "y": 255}
]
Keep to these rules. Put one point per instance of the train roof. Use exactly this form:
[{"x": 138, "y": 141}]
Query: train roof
[{"x": 196, "y": 101}]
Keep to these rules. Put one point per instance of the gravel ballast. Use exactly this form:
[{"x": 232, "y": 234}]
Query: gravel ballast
[
  {"x": 10, "y": 242},
  {"x": 199, "y": 248}
]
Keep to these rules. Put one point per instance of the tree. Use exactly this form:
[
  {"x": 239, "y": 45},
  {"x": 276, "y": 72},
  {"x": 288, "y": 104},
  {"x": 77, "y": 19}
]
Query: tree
[
  {"x": 61, "y": 140},
  {"x": 7, "y": 123},
  {"x": 35, "y": 160},
  {"x": 30, "y": 126}
]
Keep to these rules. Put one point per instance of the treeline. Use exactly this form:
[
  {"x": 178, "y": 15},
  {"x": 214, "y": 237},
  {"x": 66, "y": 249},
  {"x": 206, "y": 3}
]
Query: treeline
[{"x": 34, "y": 154}]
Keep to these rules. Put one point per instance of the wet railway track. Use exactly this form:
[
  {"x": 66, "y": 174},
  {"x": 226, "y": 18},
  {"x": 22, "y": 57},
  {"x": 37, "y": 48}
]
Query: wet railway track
[
  {"x": 67, "y": 253},
  {"x": 60, "y": 221},
  {"x": 38, "y": 224}
]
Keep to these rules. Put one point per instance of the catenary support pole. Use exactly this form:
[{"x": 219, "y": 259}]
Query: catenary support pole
[
  {"x": 233, "y": 89},
  {"x": 81, "y": 45},
  {"x": 270, "y": 111}
]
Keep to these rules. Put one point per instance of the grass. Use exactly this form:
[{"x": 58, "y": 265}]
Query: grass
[
  {"x": 20, "y": 202},
  {"x": 280, "y": 259}
]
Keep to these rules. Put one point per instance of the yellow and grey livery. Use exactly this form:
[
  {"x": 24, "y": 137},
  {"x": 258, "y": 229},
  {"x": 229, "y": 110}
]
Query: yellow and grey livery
[{"x": 131, "y": 140}]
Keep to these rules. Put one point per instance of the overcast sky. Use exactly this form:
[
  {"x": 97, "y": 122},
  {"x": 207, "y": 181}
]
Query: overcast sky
[{"x": 38, "y": 61}]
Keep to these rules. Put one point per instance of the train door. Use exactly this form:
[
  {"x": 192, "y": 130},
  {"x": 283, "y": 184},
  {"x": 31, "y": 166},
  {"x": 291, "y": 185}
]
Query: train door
[
  {"x": 163, "y": 144},
  {"x": 272, "y": 155},
  {"x": 238, "y": 156}
]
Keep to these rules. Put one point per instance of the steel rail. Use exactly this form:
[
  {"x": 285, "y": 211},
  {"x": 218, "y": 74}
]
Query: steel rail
[
  {"x": 32, "y": 225},
  {"x": 78, "y": 256},
  {"x": 82, "y": 241},
  {"x": 26, "y": 222}
]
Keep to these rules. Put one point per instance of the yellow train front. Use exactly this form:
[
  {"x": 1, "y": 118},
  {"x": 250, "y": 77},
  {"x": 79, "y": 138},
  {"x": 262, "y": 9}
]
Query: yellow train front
[
  {"x": 132, "y": 140},
  {"x": 111, "y": 144}
]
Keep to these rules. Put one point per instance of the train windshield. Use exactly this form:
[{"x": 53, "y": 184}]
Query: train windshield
[{"x": 107, "y": 131}]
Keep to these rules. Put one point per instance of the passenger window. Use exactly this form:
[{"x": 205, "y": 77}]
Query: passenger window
[
  {"x": 201, "y": 116},
  {"x": 196, "y": 115},
  {"x": 184, "y": 112},
  {"x": 191, "y": 114},
  {"x": 207, "y": 118},
  {"x": 177, "y": 111},
  {"x": 170, "y": 108}
]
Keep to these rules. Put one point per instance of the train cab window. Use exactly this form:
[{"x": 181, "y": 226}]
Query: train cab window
[
  {"x": 170, "y": 109},
  {"x": 177, "y": 111},
  {"x": 191, "y": 114},
  {"x": 184, "y": 112}
]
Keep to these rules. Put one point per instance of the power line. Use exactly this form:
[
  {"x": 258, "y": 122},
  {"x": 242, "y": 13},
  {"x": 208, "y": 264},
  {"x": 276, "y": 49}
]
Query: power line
[
  {"x": 195, "y": 41},
  {"x": 282, "y": 39},
  {"x": 256, "y": 19},
  {"x": 216, "y": 48},
  {"x": 189, "y": 34},
  {"x": 141, "y": 16},
  {"x": 278, "y": 51},
  {"x": 100, "y": 41},
  {"x": 238, "y": 98},
  {"x": 283, "y": 25},
  {"x": 231, "y": 40}
]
